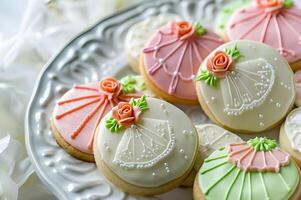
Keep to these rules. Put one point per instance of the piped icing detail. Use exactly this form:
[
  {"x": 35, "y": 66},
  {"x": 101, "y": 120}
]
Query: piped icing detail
[
  {"x": 126, "y": 114},
  {"x": 258, "y": 154},
  {"x": 220, "y": 179},
  {"x": 292, "y": 127},
  {"x": 274, "y": 22},
  {"x": 174, "y": 54},
  {"x": 244, "y": 87},
  {"x": 97, "y": 101},
  {"x": 154, "y": 150}
]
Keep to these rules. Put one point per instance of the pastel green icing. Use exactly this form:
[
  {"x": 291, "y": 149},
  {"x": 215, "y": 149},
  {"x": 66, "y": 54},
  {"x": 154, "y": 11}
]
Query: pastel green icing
[
  {"x": 225, "y": 14},
  {"x": 128, "y": 84},
  {"x": 141, "y": 103},
  {"x": 113, "y": 125},
  {"x": 233, "y": 52},
  {"x": 262, "y": 144},
  {"x": 219, "y": 179},
  {"x": 209, "y": 79}
]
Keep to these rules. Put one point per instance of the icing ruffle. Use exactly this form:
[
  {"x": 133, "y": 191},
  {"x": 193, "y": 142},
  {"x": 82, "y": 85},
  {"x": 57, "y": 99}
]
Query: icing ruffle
[{"x": 248, "y": 158}]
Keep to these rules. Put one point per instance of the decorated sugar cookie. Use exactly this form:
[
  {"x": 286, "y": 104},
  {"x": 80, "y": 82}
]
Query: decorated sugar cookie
[
  {"x": 298, "y": 87},
  {"x": 211, "y": 138},
  {"x": 251, "y": 170},
  {"x": 290, "y": 135},
  {"x": 225, "y": 14},
  {"x": 146, "y": 146},
  {"x": 139, "y": 34},
  {"x": 79, "y": 111},
  {"x": 172, "y": 57},
  {"x": 274, "y": 22},
  {"x": 239, "y": 86}
]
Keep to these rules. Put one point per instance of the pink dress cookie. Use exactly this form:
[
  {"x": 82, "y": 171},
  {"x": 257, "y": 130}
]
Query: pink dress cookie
[
  {"x": 274, "y": 22},
  {"x": 80, "y": 110},
  {"x": 172, "y": 57}
]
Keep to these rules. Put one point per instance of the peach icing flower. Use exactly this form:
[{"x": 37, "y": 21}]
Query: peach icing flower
[
  {"x": 183, "y": 29},
  {"x": 270, "y": 5},
  {"x": 126, "y": 114},
  {"x": 219, "y": 64},
  {"x": 110, "y": 86}
]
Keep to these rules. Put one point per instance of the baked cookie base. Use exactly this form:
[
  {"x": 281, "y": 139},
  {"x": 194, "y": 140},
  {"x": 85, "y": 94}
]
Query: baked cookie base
[
  {"x": 285, "y": 144},
  {"x": 69, "y": 148},
  {"x": 133, "y": 189},
  {"x": 198, "y": 194},
  {"x": 158, "y": 92},
  {"x": 133, "y": 62}
]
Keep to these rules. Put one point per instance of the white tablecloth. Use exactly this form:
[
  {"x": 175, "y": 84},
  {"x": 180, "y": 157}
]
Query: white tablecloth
[{"x": 31, "y": 31}]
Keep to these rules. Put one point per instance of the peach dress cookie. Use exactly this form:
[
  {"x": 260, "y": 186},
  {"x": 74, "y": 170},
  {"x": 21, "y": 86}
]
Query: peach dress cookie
[
  {"x": 79, "y": 111},
  {"x": 239, "y": 86},
  {"x": 251, "y": 170},
  {"x": 146, "y": 146},
  {"x": 139, "y": 34},
  {"x": 171, "y": 59},
  {"x": 274, "y": 22},
  {"x": 211, "y": 138},
  {"x": 290, "y": 135}
]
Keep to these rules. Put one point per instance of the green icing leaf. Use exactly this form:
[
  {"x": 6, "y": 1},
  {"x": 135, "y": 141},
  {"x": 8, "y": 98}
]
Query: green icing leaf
[
  {"x": 141, "y": 103},
  {"x": 233, "y": 52},
  {"x": 128, "y": 84},
  {"x": 142, "y": 87},
  {"x": 262, "y": 144},
  {"x": 199, "y": 29},
  {"x": 288, "y": 3},
  {"x": 209, "y": 79},
  {"x": 113, "y": 125}
]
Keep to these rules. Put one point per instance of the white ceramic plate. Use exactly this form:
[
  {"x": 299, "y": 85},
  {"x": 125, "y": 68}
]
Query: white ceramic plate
[{"x": 93, "y": 54}]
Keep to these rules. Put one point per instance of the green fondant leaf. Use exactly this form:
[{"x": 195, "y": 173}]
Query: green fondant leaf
[
  {"x": 113, "y": 125},
  {"x": 262, "y": 144},
  {"x": 233, "y": 52},
  {"x": 128, "y": 84},
  {"x": 288, "y": 3},
  {"x": 141, "y": 103},
  {"x": 209, "y": 79},
  {"x": 199, "y": 29}
]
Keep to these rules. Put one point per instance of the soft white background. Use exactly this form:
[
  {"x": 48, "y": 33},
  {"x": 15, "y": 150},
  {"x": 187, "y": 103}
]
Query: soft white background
[{"x": 31, "y": 31}]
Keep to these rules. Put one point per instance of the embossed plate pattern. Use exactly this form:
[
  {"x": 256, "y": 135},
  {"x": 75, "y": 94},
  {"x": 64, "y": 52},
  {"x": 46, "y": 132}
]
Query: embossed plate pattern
[{"x": 93, "y": 54}]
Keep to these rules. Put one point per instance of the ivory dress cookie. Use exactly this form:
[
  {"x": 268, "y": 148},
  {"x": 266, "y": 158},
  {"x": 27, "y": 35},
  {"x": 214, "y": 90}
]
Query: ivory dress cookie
[
  {"x": 146, "y": 147},
  {"x": 211, "y": 138},
  {"x": 140, "y": 33},
  {"x": 172, "y": 57},
  {"x": 274, "y": 22},
  {"x": 239, "y": 86},
  {"x": 290, "y": 135},
  {"x": 298, "y": 87},
  {"x": 80, "y": 110},
  {"x": 225, "y": 14},
  {"x": 253, "y": 170}
]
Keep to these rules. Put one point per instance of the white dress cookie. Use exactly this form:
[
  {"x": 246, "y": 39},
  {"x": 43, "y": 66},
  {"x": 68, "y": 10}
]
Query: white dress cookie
[
  {"x": 245, "y": 86},
  {"x": 290, "y": 134},
  {"x": 139, "y": 34},
  {"x": 146, "y": 147},
  {"x": 211, "y": 138}
]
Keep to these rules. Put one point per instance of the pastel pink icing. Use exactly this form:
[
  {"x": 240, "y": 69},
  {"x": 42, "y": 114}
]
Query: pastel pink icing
[
  {"x": 278, "y": 28},
  {"x": 297, "y": 78},
  {"x": 92, "y": 104},
  {"x": 247, "y": 158},
  {"x": 172, "y": 62}
]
